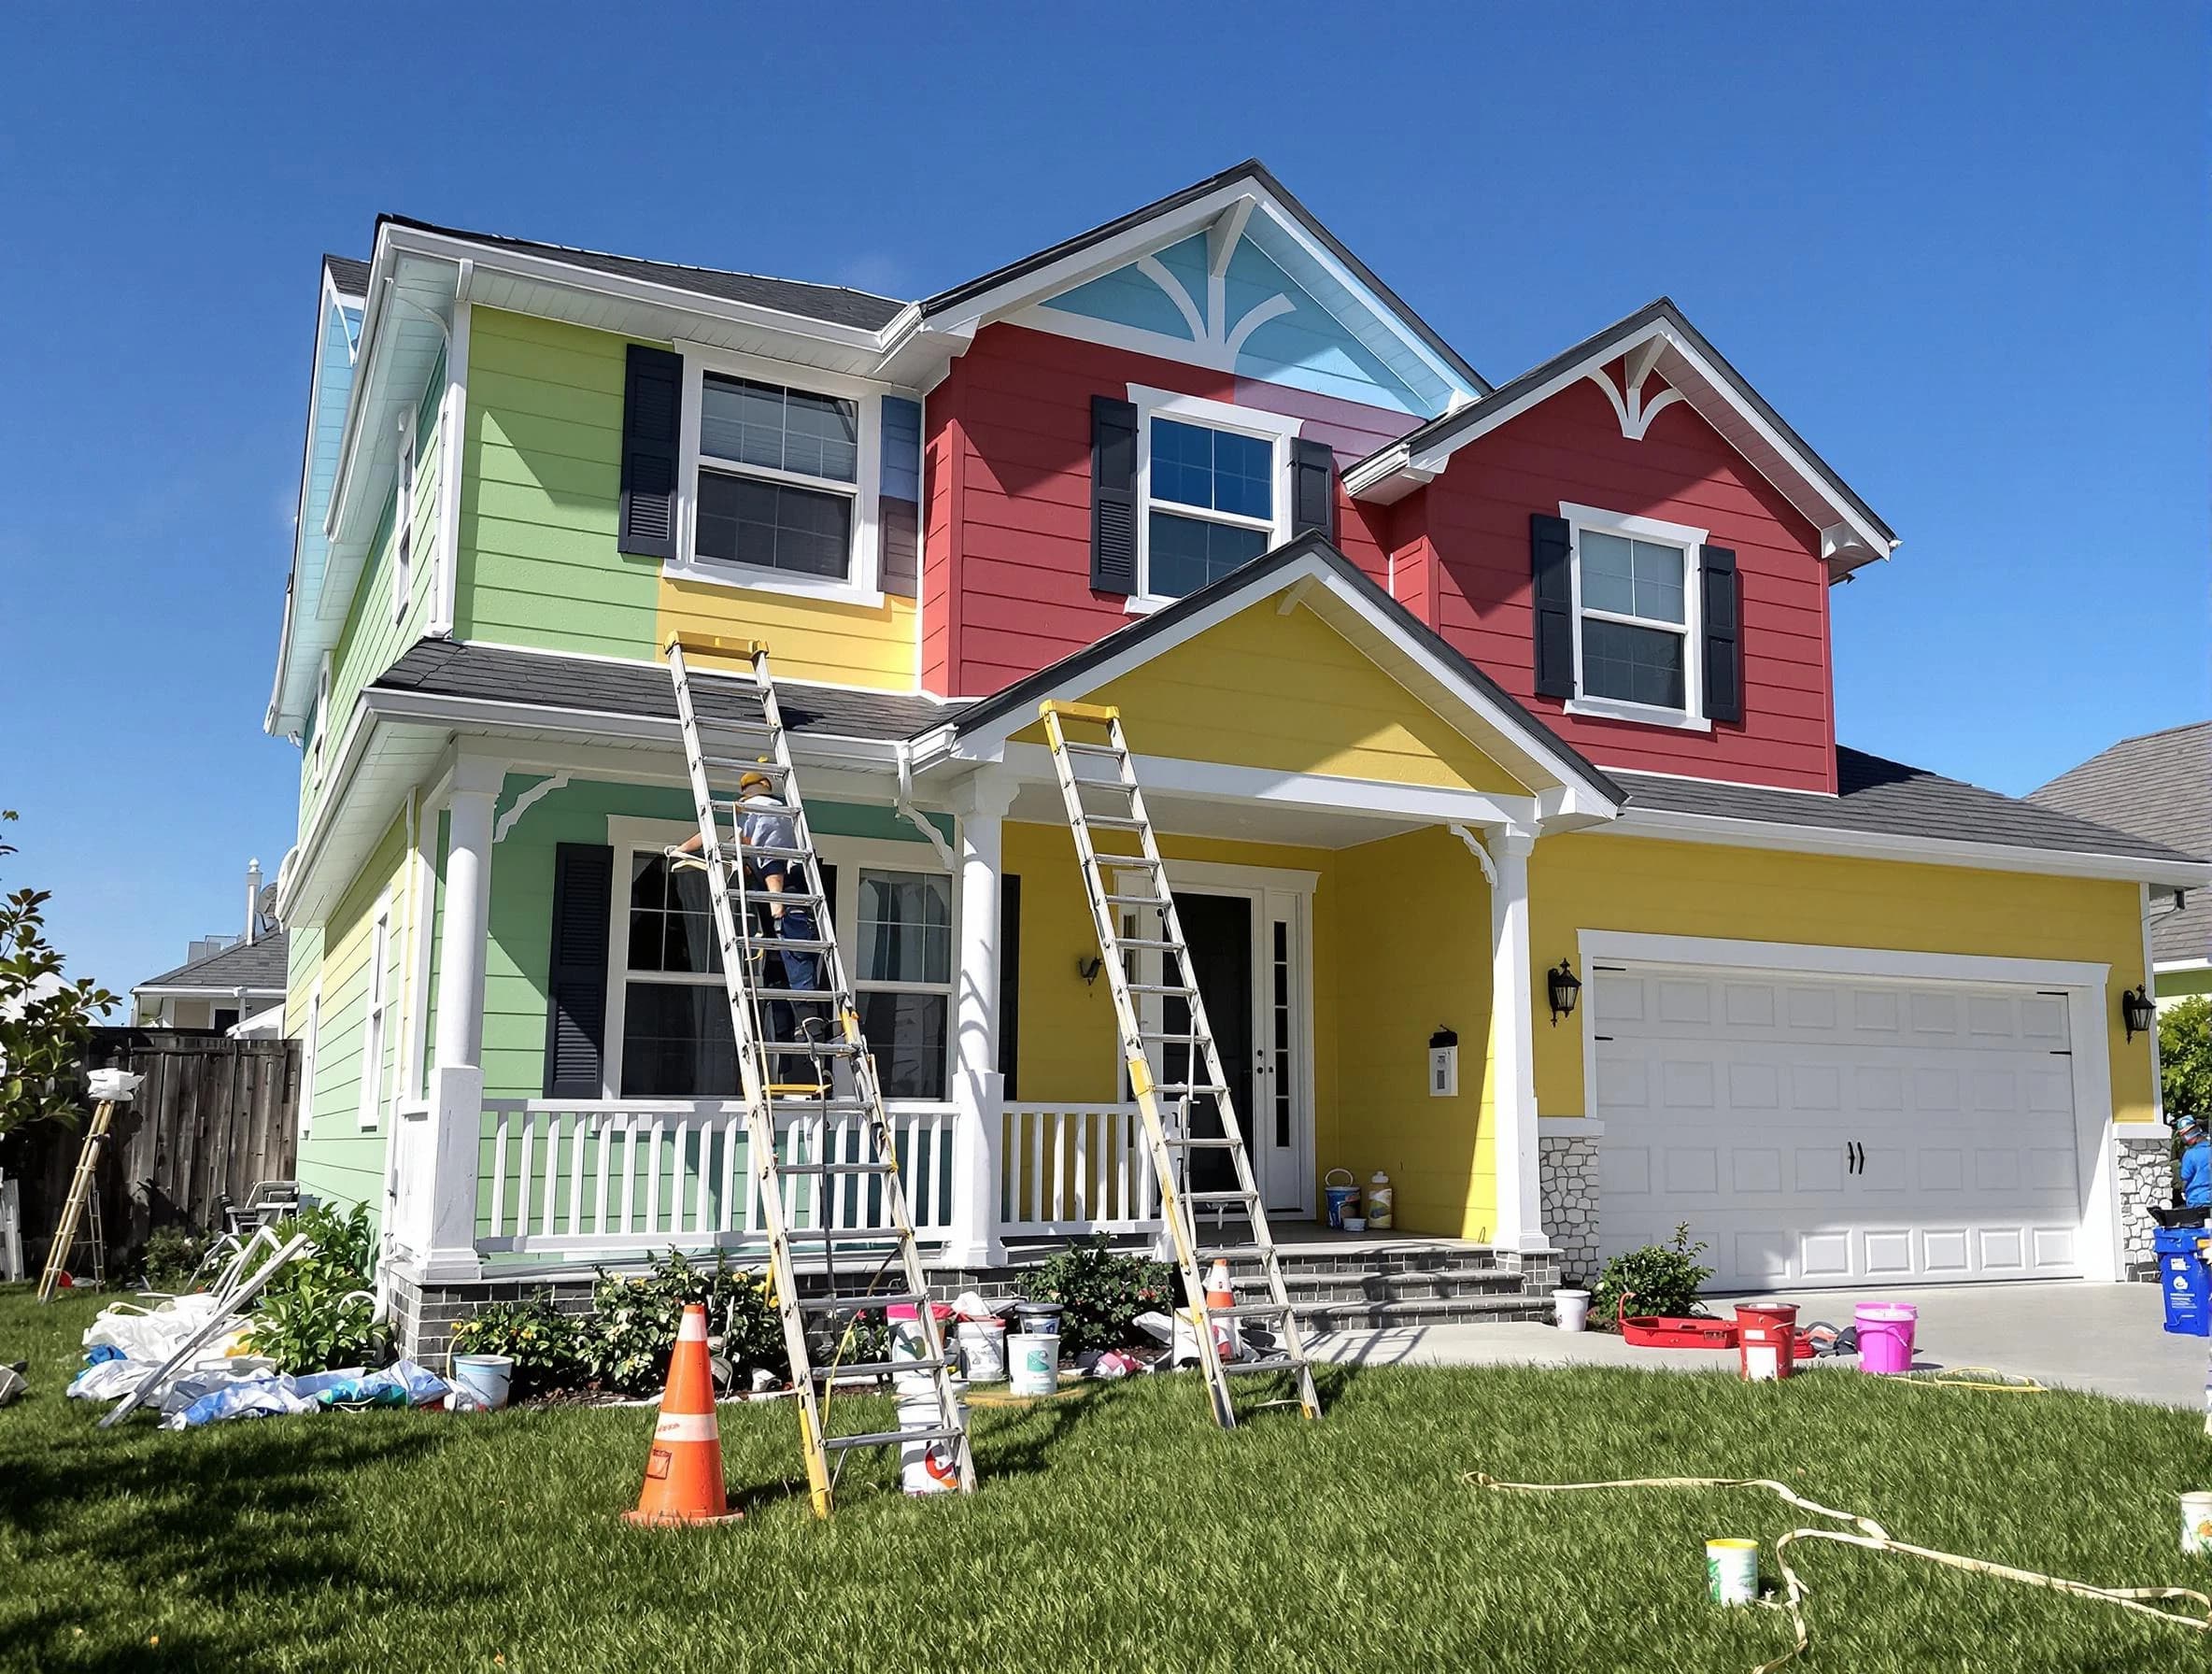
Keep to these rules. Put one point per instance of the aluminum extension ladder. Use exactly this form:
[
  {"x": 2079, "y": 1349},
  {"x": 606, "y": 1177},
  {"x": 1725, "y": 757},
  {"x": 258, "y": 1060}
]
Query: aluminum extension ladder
[
  {"x": 1171, "y": 1141},
  {"x": 745, "y": 735}
]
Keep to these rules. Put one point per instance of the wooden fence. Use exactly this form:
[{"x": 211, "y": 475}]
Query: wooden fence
[{"x": 212, "y": 1117}]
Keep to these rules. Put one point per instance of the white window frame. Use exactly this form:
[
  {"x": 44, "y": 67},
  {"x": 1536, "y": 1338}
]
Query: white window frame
[
  {"x": 322, "y": 716},
  {"x": 375, "y": 1015},
  {"x": 1691, "y": 716},
  {"x": 1279, "y": 430},
  {"x": 861, "y": 582},
  {"x": 847, "y": 855},
  {"x": 402, "y": 520},
  {"x": 310, "y": 1044}
]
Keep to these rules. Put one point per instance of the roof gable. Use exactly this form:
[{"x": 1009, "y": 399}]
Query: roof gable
[{"x": 257, "y": 967}]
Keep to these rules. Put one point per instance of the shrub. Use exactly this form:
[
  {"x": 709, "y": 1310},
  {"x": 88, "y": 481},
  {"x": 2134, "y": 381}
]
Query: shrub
[
  {"x": 316, "y": 1313},
  {"x": 1099, "y": 1292},
  {"x": 173, "y": 1256},
  {"x": 633, "y": 1329},
  {"x": 2185, "y": 1057},
  {"x": 549, "y": 1347},
  {"x": 1663, "y": 1279}
]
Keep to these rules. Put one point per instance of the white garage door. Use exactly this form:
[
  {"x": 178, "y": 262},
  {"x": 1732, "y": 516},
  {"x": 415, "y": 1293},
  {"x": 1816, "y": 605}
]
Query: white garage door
[{"x": 1816, "y": 1130}]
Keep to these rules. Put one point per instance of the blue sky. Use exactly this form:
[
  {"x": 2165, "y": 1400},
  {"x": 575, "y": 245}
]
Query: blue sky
[{"x": 1963, "y": 249}]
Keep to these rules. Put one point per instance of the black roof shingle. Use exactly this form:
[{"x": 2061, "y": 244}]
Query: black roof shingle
[
  {"x": 258, "y": 965},
  {"x": 2159, "y": 785}
]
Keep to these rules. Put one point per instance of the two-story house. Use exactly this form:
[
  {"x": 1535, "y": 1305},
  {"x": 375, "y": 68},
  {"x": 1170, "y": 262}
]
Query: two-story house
[{"x": 1449, "y": 697}]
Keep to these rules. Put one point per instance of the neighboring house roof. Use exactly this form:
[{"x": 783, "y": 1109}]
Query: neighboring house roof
[
  {"x": 1881, "y": 798},
  {"x": 498, "y": 674},
  {"x": 350, "y": 277},
  {"x": 257, "y": 967},
  {"x": 834, "y": 305},
  {"x": 1701, "y": 374},
  {"x": 2159, "y": 785}
]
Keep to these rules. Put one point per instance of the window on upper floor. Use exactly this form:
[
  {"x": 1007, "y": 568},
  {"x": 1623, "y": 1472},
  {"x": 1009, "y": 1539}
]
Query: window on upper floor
[
  {"x": 1212, "y": 482},
  {"x": 1638, "y": 612},
  {"x": 779, "y": 472}
]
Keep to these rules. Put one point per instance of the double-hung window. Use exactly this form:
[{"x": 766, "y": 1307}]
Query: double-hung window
[
  {"x": 902, "y": 970},
  {"x": 676, "y": 1041},
  {"x": 779, "y": 472},
  {"x": 1636, "y": 617},
  {"x": 1213, "y": 479}
]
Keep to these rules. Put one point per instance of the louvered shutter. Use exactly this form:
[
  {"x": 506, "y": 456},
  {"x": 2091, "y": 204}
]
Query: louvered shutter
[
  {"x": 1723, "y": 634},
  {"x": 1113, "y": 495},
  {"x": 576, "y": 973},
  {"x": 1551, "y": 590},
  {"x": 652, "y": 399},
  {"x": 1312, "y": 489}
]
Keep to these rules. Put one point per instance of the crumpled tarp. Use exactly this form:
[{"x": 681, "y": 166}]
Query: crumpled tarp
[{"x": 212, "y": 1398}]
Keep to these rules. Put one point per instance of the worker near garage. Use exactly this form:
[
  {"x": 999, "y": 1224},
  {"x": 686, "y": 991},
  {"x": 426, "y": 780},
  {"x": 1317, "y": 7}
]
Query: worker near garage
[
  {"x": 2196, "y": 1163},
  {"x": 765, "y": 825}
]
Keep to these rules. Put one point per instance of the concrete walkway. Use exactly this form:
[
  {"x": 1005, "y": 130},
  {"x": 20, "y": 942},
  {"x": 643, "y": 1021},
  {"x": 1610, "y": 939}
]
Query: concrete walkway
[{"x": 2104, "y": 1338}]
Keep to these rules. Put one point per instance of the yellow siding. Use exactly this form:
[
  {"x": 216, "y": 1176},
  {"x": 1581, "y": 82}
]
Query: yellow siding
[
  {"x": 1760, "y": 895},
  {"x": 808, "y": 639},
  {"x": 1289, "y": 693}
]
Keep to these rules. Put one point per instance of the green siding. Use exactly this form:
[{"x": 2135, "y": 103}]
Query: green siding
[
  {"x": 2179, "y": 985},
  {"x": 539, "y": 487}
]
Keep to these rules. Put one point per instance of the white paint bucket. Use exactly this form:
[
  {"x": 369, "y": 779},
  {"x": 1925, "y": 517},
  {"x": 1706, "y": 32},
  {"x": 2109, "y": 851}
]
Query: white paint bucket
[
  {"x": 2196, "y": 1524},
  {"x": 1732, "y": 1571},
  {"x": 483, "y": 1379},
  {"x": 927, "y": 1466},
  {"x": 1573, "y": 1307},
  {"x": 983, "y": 1349},
  {"x": 1034, "y": 1362}
]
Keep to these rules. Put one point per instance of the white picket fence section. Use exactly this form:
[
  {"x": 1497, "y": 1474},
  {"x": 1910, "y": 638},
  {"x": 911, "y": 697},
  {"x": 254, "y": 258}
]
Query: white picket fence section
[
  {"x": 1075, "y": 1169},
  {"x": 580, "y": 1176}
]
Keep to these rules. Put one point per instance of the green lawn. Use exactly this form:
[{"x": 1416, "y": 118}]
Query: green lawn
[{"x": 1116, "y": 1530}]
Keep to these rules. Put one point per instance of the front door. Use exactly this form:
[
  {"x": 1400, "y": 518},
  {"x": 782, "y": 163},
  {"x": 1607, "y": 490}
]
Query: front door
[{"x": 1219, "y": 931}]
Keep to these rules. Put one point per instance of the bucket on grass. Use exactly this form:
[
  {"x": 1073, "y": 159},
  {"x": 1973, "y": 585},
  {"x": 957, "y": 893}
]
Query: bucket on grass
[
  {"x": 983, "y": 1349},
  {"x": 1573, "y": 1307},
  {"x": 907, "y": 1342},
  {"x": 1885, "y": 1335},
  {"x": 483, "y": 1380},
  {"x": 1338, "y": 1193},
  {"x": 929, "y": 1465},
  {"x": 2196, "y": 1524},
  {"x": 1765, "y": 1340},
  {"x": 1033, "y": 1363},
  {"x": 1732, "y": 1571}
]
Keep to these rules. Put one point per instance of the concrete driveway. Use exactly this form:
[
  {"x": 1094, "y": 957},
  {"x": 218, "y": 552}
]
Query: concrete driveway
[{"x": 2065, "y": 1334}]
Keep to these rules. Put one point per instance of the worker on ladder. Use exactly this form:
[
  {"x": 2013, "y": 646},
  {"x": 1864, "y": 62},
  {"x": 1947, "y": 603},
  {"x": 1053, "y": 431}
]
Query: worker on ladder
[{"x": 765, "y": 823}]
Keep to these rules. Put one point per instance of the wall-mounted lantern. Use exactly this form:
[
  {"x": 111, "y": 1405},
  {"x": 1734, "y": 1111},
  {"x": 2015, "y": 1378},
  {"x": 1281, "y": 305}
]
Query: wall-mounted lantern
[
  {"x": 2139, "y": 1011},
  {"x": 1088, "y": 965},
  {"x": 1564, "y": 988}
]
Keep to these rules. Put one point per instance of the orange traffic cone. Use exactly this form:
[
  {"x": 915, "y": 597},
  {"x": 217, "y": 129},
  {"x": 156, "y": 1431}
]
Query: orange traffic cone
[
  {"x": 684, "y": 1471},
  {"x": 1221, "y": 1291}
]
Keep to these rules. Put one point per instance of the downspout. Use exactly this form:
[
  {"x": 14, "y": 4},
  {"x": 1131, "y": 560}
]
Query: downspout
[{"x": 904, "y": 803}]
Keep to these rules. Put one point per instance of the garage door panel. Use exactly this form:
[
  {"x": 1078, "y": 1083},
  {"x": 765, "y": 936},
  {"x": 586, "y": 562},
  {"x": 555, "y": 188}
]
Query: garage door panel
[{"x": 1819, "y": 1130}]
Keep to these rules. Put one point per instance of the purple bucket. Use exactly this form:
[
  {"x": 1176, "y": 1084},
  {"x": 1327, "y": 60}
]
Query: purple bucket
[{"x": 1885, "y": 1336}]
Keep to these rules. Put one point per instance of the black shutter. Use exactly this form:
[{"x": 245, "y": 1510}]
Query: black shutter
[
  {"x": 1009, "y": 978},
  {"x": 576, "y": 973},
  {"x": 1113, "y": 495},
  {"x": 1312, "y": 489},
  {"x": 1551, "y": 591},
  {"x": 652, "y": 397},
  {"x": 1723, "y": 634}
]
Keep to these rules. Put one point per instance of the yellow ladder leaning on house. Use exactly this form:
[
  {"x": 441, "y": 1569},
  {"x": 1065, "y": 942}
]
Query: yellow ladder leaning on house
[
  {"x": 1172, "y": 1143},
  {"x": 745, "y": 736}
]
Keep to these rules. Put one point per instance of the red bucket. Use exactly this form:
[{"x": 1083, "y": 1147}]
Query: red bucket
[{"x": 1765, "y": 1340}]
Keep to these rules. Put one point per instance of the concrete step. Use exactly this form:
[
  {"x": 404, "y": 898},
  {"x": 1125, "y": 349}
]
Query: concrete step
[
  {"x": 1295, "y": 1257},
  {"x": 1410, "y": 1285},
  {"x": 1373, "y": 1316}
]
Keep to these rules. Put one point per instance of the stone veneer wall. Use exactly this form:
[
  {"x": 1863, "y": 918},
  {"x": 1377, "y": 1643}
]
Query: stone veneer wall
[
  {"x": 1567, "y": 1168},
  {"x": 2145, "y": 1178}
]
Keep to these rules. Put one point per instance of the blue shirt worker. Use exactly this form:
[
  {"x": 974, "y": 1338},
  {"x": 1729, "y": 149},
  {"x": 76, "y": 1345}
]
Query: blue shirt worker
[
  {"x": 2197, "y": 1165},
  {"x": 765, "y": 824}
]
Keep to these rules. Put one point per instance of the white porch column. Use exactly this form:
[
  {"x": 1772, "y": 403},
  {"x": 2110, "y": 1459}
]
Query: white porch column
[
  {"x": 978, "y": 1088},
  {"x": 440, "y": 1201},
  {"x": 1512, "y": 1044}
]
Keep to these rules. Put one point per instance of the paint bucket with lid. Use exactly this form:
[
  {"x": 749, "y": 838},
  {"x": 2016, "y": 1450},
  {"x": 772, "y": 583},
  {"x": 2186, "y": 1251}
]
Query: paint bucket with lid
[
  {"x": 908, "y": 1343},
  {"x": 1885, "y": 1335},
  {"x": 1732, "y": 1571},
  {"x": 1033, "y": 1363},
  {"x": 927, "y": 1465},
  {"x": 1765, "y": 1340},
  {"x": 1338, "y": 1193},
  {"x": 2196, "y": 1524},
  {"x": 983, "y": 1349}
]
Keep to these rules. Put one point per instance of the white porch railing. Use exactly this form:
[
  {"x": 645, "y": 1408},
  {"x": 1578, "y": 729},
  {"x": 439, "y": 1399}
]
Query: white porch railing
[
  {"x": 585, "y": 1176},
  {"x": 1074, "y": 1168}
]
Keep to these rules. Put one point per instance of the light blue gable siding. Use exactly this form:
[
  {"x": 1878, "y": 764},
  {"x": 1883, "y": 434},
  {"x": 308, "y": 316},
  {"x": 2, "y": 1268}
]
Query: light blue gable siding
[
  {"x": 333, "y": 382},
  {"x": 1334, "y": 340}
]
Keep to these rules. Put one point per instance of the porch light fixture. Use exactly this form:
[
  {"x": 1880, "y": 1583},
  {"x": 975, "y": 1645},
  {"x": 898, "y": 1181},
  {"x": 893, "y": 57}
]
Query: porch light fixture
[
  {"x": 2139, "y": 1011},
  {"x": 1564, "y": 988}
]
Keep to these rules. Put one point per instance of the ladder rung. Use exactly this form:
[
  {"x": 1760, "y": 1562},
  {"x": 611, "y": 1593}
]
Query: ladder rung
[
  {"x": 1201, "y": 1144},
  {"x": 1135, "y": 901},
  {"x": 1103, "y": 862},
  {"x": 770, "y": 769},
  {"x": 897, "y": 1298},
  {"x": 765, "y": 851},
  {"x": 812, "y": 1105},
  {"x": 1280, "y": 1363},
  {"x": 1249, "y": 1311},
  {"x": 1222, "y": 1197},
  {"x": 1114, "y": 822},
  {"x": 1187, "y": 1086},
  {"x": 885, "y": 1437},
  {"x": 1260, "y": 1253},
  {"x": 837, "y": 1168},
  {"x": 824, "y": 1235},
  {"x": 783, "y": 897},
  {"x": 1091, "y": 749},
  {"x": 1146, "y": 941},
  {"x": 1162, "y": 988},
  {"x": 876, "y": 1368},
  {"x": 812, "y": 1048}
]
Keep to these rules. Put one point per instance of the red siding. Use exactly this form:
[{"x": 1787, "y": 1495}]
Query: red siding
[
  {"x": 1006, "y": 575},
  {"x": 1475, "y": 519}
]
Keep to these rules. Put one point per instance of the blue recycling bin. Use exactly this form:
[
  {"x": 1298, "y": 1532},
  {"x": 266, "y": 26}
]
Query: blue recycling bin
[{"x": 2184, "y": 1280}]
